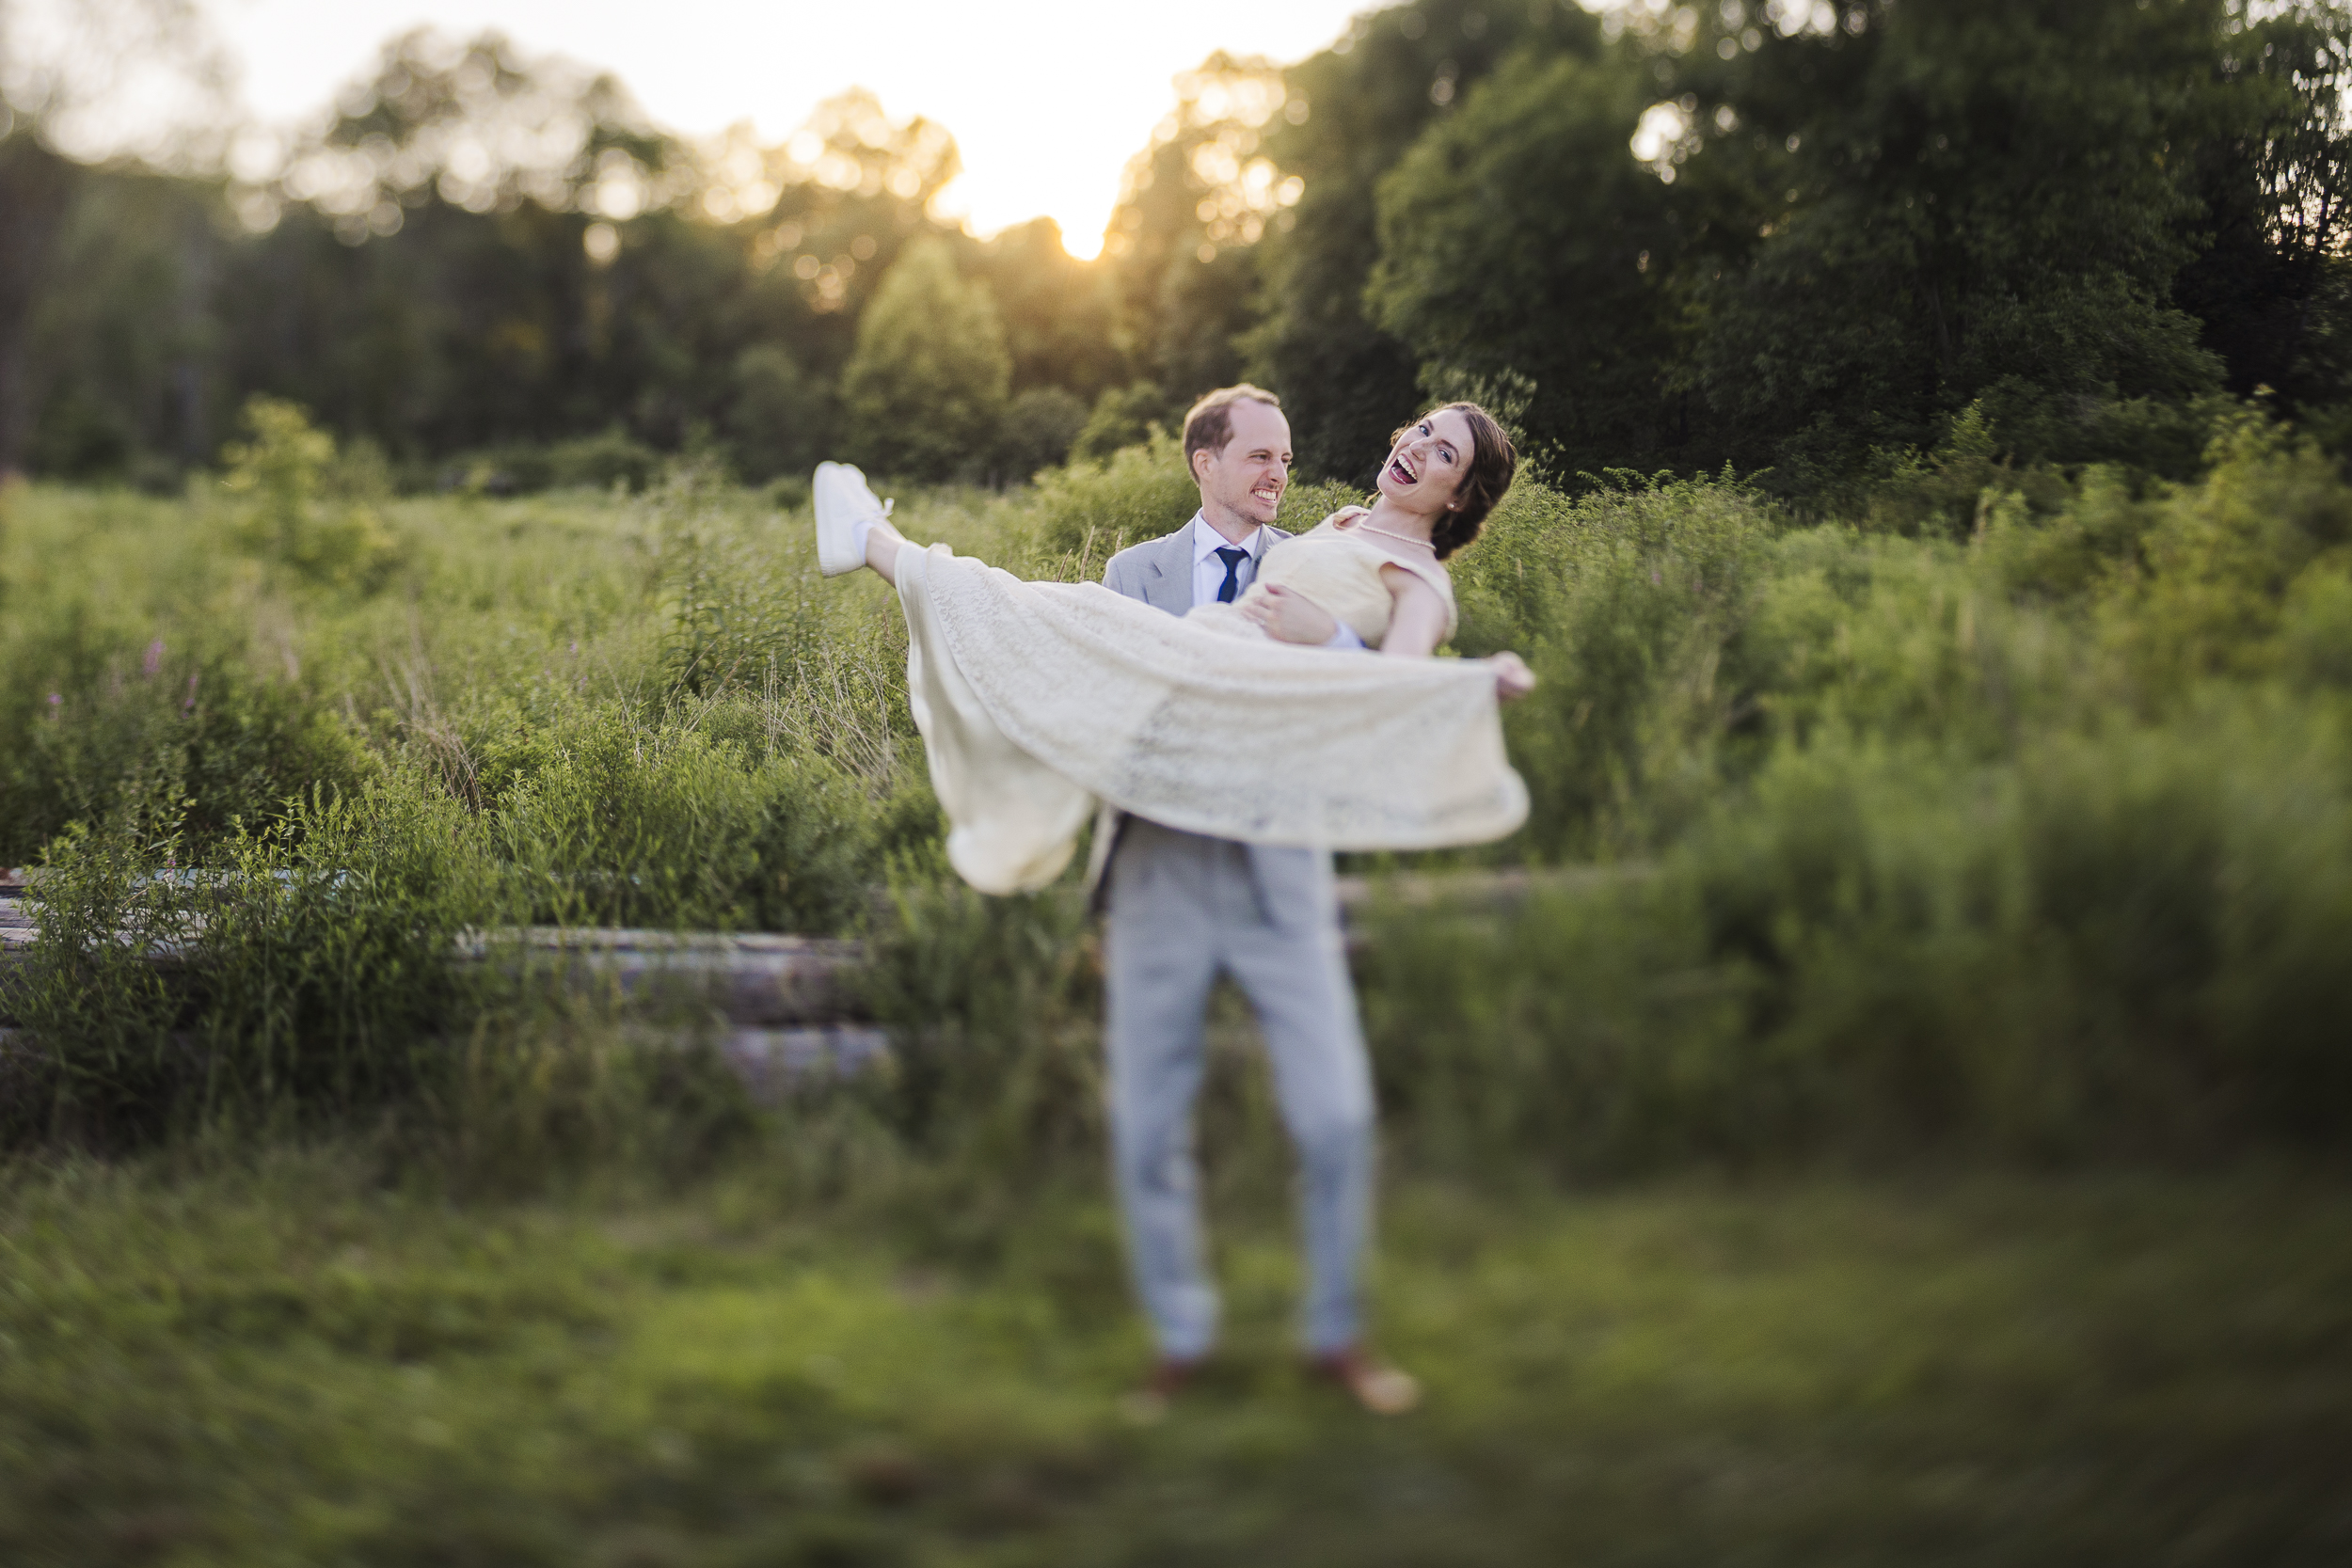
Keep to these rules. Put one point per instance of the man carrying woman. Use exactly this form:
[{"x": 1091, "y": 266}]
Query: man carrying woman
[{"x": 1224, "y": 703}]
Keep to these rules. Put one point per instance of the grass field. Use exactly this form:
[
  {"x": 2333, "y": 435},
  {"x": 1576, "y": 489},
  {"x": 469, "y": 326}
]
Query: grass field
[
  {"x": 284, "y": 1361},
  {"x": 1909, "y": 1143}
]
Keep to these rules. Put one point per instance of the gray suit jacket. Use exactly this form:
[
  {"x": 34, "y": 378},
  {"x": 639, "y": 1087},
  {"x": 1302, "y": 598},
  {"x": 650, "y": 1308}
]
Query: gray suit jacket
[{"x": 1158, "y": 572}]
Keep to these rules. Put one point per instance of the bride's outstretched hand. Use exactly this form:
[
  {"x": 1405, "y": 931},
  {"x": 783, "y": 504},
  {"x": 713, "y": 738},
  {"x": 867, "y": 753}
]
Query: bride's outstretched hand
[{"x": 1513, "y": 678}]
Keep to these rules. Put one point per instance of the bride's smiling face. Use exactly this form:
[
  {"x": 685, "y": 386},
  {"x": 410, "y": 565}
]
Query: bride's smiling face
[{"x": 1427, "y": 466}]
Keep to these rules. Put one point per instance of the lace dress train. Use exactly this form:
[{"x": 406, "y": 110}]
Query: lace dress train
[{"x": 1036, "y": 698}]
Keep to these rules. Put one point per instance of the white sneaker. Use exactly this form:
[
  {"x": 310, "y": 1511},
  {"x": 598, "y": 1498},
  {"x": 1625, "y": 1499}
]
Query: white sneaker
[{"x": 843, "y": 502}]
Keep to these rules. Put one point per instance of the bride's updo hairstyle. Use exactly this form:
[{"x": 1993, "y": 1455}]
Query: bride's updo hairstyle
[{"x": 1493, "y": 463}]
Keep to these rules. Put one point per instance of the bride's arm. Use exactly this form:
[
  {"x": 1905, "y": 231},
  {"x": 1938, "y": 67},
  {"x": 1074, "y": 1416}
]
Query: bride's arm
[{"x": 1418, "y": 624}]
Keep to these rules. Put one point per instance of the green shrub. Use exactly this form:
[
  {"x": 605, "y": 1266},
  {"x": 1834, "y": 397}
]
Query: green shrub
[
  {"x": 97, "y": 1059},
  {"x": 329, "y": 966},
  {"x": 1124, "y": 417},
  {"x": 1100, "y": 508},
  {"x": 1586, "y": 1031},
  {"x": 1631, "y": 606},
  {"x": 1948, "y": 493},
  {"x": 626, "y": 824},
  {"x": 90, "y": 718},
  {"x": 608, "y": 461},
  {"x": 1306, "y": 505},
  {"x": 1037, "y": 431},
  {"x": 991, "y": 1004},
  {"x": 2316, "y": 627},
  {"x": 2208, "y": 592},
  {"x": 2127, "y": 943},
  {"x": 286, "y": 513},
  {"x": 311, "y": 967}
]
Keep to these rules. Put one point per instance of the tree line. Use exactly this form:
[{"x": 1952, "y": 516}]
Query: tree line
[{"x": 1823, "y": 243}]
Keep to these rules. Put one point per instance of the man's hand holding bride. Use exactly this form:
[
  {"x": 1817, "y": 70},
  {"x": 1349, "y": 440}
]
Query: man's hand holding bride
[{"x": 1288, "y": 617}]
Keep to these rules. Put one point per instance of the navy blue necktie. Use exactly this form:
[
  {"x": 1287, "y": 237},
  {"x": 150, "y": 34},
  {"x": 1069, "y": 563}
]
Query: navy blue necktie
[{"x": 1232, "y": 559}]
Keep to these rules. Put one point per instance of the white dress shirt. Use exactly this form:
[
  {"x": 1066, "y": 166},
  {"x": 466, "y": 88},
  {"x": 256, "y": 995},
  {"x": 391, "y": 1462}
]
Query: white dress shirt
[
  {"x": 1208, "y": 569},
  {"x": 1208, "y": 572}
]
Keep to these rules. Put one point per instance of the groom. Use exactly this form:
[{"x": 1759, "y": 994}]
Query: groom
[{"x": 1183, "y": 908}]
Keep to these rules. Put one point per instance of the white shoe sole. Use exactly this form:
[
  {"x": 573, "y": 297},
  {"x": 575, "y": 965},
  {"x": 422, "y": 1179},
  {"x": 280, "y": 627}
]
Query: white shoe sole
[{"x": 841, "y": 499}]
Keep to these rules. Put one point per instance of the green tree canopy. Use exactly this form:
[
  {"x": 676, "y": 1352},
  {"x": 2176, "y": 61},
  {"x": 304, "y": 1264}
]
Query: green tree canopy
[
  {"x": 1795, "y": 237},
  {"x": 1353, "y": 110},
  {"x": 1981, "y": 198},
  {"x": 1800, "y": 237},
  {"x": 1572, "y": 285},
  {"x": 924, "y": 391}
]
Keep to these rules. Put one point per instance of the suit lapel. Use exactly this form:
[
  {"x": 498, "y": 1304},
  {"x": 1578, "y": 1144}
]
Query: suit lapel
[
  {"x": 1169, "y": 586},
  {"x": 1167, "y": 578}
]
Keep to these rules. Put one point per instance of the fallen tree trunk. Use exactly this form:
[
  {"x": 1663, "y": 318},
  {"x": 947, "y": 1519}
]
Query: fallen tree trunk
[{"x": 757, "y": 984}]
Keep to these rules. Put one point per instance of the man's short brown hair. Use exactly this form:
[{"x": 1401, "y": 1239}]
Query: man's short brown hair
[{"x": 1210, "y": 424}]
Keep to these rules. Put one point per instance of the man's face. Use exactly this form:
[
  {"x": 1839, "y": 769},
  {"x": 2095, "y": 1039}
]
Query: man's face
[{"x": 1245, "y": 478}]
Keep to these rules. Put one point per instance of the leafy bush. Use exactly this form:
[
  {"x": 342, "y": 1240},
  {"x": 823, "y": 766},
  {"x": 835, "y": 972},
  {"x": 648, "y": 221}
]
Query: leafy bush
[
  {"x": 612, "y": 460},
  {"x": 329, "y": 948},
  {"x": 2126, "y": 944},
  {"x": 288, "y": 514},
  {"x": 1099, "y": 508},
  {"x": 88, "y": 720},
  {"x": 2219, "y": 560},
  {"x": 99, "y": 1059},
  {"x": 1037, "y": 430},
  {"x": 1124, "y": 417},
  {"x": 1631, "y": 606},
  {"x": 625, "y": 824},
  {"x": 309, "y": 965},
  {"x": 991, "y": 1004}
]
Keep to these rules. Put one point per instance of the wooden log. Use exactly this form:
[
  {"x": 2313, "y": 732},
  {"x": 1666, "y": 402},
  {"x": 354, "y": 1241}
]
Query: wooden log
[
  {"x": 754, "y": 981},
  {"x": 1503, "y": 889},
  {"x": 771, "y": 1062}
]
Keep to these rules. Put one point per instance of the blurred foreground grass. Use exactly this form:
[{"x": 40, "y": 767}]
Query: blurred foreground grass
[{"x": 281, "y": 1359}]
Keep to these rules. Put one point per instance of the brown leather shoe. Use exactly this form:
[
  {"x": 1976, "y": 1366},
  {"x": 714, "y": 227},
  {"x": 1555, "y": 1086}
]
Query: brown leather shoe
[
  {"x": 1148, "y": 1405},
  {"x": 1380, "y": 1389}
]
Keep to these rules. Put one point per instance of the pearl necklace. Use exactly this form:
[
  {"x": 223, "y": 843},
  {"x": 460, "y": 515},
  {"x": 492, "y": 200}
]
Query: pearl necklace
[{"x": 1389, "y": 532}]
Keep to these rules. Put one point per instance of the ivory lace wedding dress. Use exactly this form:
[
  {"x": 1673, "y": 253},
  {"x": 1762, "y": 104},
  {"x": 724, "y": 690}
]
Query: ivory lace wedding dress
[{"x": 1036, "y": 698}]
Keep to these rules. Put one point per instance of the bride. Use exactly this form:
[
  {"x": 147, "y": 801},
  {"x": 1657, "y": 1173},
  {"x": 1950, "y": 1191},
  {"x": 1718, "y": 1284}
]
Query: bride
[{"x": 1034, "y": 699}]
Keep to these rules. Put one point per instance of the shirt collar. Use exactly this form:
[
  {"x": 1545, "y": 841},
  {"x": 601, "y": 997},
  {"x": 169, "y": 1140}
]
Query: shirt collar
[{"x": 1206, "y": 541}]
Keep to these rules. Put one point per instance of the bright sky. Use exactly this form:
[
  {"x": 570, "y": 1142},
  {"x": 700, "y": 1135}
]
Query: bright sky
[{"x": 1047, "y": 99}]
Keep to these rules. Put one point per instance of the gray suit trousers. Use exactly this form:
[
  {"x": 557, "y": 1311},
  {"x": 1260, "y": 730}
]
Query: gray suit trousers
[{"x": 1184, "y": 908}]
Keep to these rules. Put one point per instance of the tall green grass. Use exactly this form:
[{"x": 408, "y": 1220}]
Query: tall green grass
[{"x": 2034, "y": 841}]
